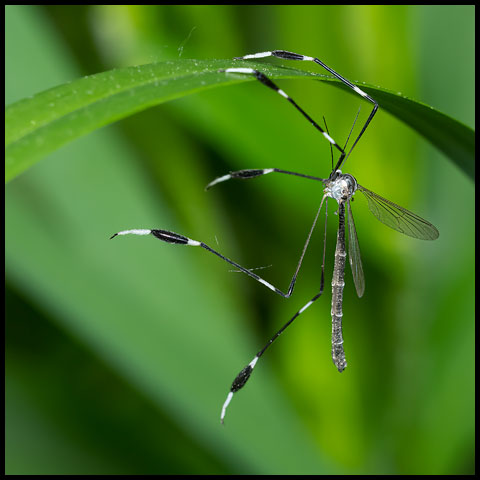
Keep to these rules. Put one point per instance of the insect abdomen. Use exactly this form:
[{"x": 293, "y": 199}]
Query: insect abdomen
[{"x": 338, "y": 354}]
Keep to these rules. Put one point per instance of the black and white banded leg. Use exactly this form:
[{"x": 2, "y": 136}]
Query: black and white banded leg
[
  {"x": 172, "y": 237},
  {"x": 247, "y": 174},
  {"x": 244, "y": 375},
  {"x": 253, "y": 173},
  {"x": 242, "y": 378},
  {"x": 295, "y": 56},
  {"x": 267, "y": 82}
]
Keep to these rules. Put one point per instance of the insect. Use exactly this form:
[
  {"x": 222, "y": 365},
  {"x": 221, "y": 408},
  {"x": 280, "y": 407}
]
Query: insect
[{"x": 338, "y": 186}]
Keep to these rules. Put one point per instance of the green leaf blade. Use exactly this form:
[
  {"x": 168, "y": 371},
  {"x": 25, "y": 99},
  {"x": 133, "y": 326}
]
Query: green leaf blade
[
  {"x": 36, "y": 126},
  {"x": 453, "y": 138}
]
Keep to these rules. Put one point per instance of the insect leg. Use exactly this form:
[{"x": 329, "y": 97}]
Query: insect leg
[
  {"x": 246, "y": 174},
  {"x": 242, "y": 378},
  {"x": 267, "y": 82},
  {"x": 172, "y": 237},
  {"x": 284, "y": 54}
]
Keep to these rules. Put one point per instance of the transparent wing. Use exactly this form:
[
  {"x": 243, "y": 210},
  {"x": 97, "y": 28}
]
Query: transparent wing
[
  {"x": 399, "y": 218},
  {"x": 354, "y": 253}
]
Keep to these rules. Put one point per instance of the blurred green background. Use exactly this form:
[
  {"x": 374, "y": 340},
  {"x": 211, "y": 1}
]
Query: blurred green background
[{"x": 119, "y": 354}]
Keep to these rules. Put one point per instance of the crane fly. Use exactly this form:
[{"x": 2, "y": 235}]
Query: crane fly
[{"x": 339, "y": 187}]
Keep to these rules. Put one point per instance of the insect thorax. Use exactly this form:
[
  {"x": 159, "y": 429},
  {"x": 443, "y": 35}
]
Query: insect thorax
[{"x": 341, "y": 186}]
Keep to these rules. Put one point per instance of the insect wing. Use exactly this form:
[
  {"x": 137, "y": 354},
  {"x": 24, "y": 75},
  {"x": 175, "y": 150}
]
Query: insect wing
[
  {"x": 399, "y": 218},
  {"x": 354, "y": 254}
]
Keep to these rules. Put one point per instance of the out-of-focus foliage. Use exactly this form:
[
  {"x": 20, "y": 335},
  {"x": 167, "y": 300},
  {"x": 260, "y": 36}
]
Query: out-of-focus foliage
[{"x": 119, "y": 354}]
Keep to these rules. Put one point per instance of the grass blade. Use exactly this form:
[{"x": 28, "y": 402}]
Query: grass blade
[{"x": 36, "y": 126}]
